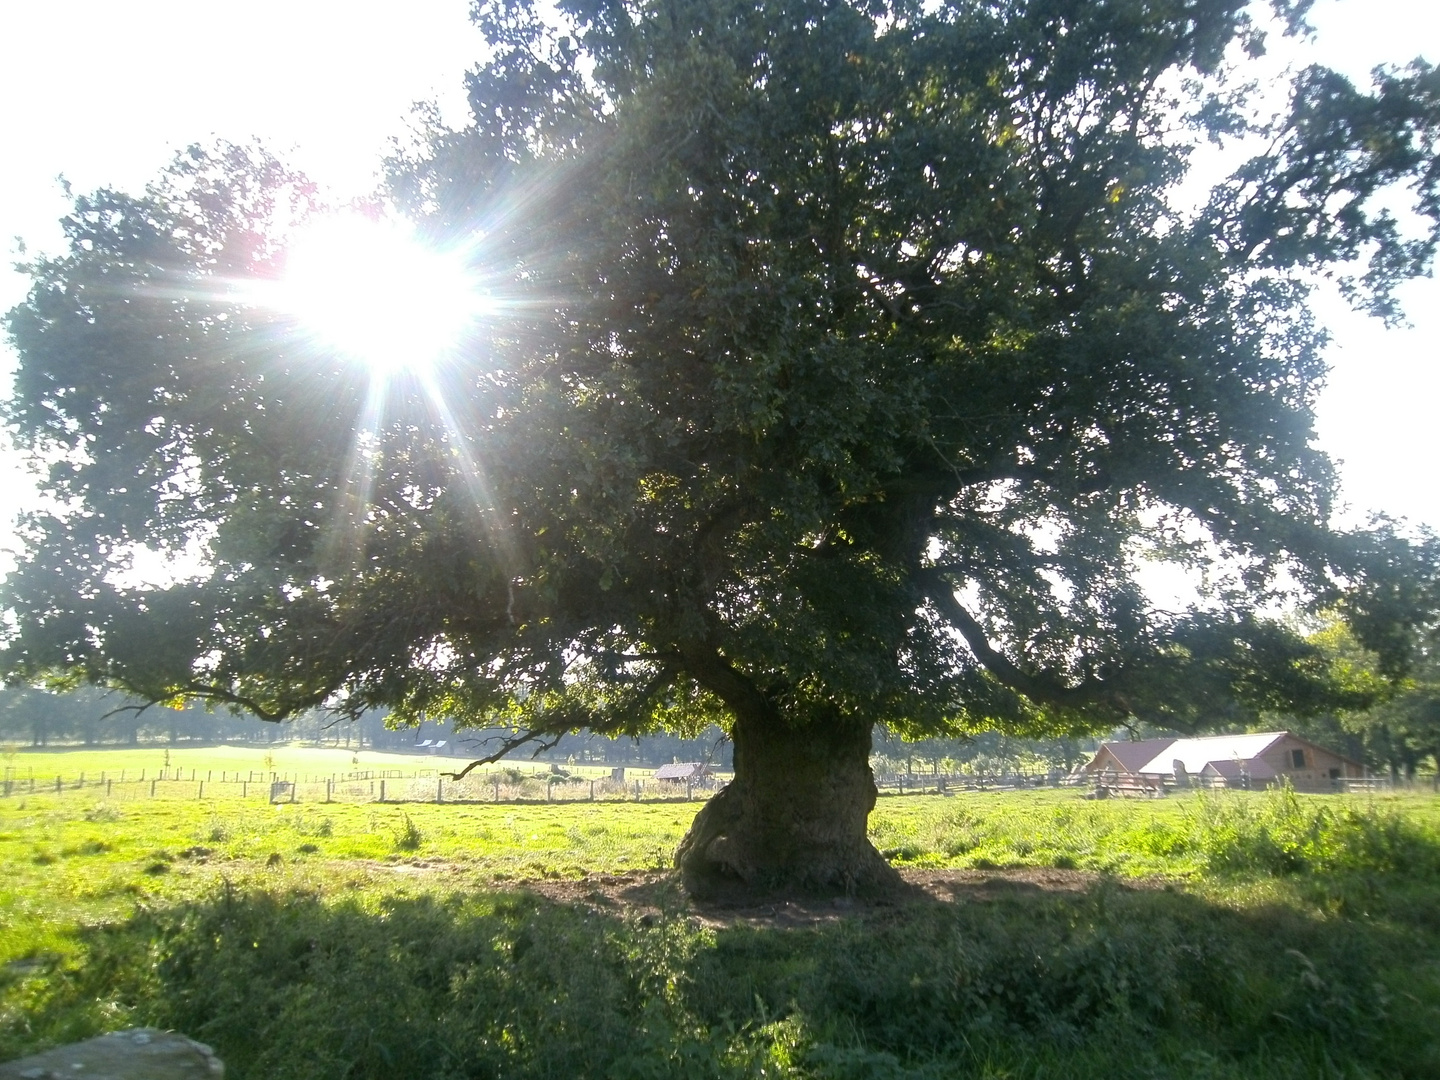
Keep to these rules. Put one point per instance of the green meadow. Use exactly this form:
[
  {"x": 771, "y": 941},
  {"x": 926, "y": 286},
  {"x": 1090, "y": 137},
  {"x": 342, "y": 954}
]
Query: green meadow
[{"x": 1229, "y": 935}]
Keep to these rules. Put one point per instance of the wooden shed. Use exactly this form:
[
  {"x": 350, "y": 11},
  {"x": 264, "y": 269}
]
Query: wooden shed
[
  {"x": 1116, "y": 767},
  {"x": 683, "y": 771},
  {"x": 1125, "y": 758}
]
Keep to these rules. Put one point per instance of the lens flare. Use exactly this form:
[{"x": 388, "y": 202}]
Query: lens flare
[{"x": 371, "y": 290}]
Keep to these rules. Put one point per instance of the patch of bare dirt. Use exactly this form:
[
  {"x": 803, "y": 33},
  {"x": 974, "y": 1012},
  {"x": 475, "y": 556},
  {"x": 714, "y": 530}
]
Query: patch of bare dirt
[
  {"x": 994, "y": 884},
  {"x": 650, "y": 893},
  {"x": 412, "y": 866}
]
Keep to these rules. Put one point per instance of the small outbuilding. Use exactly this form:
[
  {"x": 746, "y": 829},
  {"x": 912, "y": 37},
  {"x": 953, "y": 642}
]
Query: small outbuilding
[
  {"x": 684, "y": 772},
  {"x": 1115, "y": 768},
  {"x": 1125, "y": 758}
]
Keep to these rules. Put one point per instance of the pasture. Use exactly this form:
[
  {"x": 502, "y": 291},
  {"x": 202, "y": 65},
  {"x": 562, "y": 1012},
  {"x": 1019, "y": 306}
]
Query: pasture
[
  {"x": 1227, "y": 935},
  {"x": 226, "y": 773}
]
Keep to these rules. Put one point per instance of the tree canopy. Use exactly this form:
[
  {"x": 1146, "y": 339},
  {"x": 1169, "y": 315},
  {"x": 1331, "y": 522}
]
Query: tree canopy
[
  {"x": 848, "y": 360},
  {"x": 1400, "y": 730}
]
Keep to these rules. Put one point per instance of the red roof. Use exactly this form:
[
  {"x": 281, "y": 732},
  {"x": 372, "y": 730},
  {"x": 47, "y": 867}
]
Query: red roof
[{"x": 1132, "y": 755}]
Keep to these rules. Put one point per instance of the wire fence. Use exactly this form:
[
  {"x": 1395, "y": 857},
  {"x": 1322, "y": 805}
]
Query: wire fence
[
  {"x": 510, "y": 785},
  {"x": 386, "y": 786},
  {"x": 949, "y": 783}
]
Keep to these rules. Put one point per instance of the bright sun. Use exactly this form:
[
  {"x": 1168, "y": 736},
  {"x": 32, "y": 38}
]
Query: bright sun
[{"x": 371, "y": 290}]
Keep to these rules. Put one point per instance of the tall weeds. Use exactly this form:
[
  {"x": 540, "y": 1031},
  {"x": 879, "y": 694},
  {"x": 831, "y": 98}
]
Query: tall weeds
[{"x": 1281, "y": 833}]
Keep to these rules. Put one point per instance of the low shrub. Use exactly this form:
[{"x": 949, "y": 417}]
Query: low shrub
[{"x": 407, "y": 835}]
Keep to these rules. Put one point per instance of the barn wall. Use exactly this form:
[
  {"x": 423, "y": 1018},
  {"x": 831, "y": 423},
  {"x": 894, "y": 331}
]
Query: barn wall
[{"x": 1316, "y": 774}]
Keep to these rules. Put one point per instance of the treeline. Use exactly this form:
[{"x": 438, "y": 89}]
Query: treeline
[
  {"x": 34, "y": 717},
  {"x": 988, "y": 753},
  {"x": 39, "y": 718},
  {"x": 1400, "y": 737}
]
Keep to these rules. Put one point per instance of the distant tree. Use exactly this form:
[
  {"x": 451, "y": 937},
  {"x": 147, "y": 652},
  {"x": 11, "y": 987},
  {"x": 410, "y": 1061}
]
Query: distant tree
[
  {"x": 1403, "y": 734},
  {"x": 1400, "y": 732},
  {"x": 848, "y": 357}
]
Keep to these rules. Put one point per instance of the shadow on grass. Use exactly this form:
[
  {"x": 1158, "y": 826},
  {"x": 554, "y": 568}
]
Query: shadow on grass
[{"x": 1108, "y": 981}]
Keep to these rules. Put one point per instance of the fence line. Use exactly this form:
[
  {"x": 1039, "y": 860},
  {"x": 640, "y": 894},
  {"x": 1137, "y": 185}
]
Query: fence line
[
  {"x": 946, "y": 783},
  {"x": 388, "y": 786},
  {"x": 509, "y": 786},
  {"x": 1105, "y": 784}
]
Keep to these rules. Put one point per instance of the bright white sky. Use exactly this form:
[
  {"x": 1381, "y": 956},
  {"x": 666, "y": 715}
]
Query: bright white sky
[{"x": 106, "y": 92}]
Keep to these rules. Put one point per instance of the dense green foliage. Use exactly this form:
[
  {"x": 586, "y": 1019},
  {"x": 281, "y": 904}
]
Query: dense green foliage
[
  {"x": 1298, "y": 941},
  {"x": 1398, "y": 734},
  {"x": 829, "y": 335}
]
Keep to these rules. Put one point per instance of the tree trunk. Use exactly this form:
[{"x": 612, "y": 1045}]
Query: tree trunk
[{"x": 792, "y": 820}]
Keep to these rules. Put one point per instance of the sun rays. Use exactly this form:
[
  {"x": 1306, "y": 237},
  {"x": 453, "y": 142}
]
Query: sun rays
[
  {"x": 370, "y": 290},
  {"x": 408, "y": 316}
]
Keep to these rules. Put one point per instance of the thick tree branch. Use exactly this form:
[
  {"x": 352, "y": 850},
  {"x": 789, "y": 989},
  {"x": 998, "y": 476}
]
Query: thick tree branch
[
  {"x": 737, "y": 690},
  {"x": 544, "y": 739},
  {"x": 1039, "y": 688},
  {"x": 516, "y": 741}
]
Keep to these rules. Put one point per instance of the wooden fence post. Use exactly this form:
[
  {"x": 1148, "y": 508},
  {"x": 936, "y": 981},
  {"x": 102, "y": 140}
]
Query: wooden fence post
[
  {"x": 152, "y": 789},
  {"x": 382, "y": 790}
]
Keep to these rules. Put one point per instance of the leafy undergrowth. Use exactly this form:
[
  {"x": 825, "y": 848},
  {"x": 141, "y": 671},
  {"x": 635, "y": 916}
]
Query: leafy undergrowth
[
  {"x": 1112, "y": 982},
  {"x": 1298, "y": 938}
]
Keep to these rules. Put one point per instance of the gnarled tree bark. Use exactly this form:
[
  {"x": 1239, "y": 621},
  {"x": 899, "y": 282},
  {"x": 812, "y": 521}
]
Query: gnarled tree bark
[{"x": 793, "y": 819}]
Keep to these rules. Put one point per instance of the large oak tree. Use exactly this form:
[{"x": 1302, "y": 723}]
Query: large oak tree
[{"x": 848, "y": 359}]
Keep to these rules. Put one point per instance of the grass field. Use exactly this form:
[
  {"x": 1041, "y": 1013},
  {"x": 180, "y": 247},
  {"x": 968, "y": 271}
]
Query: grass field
[{"x": 1244, "y": 935}]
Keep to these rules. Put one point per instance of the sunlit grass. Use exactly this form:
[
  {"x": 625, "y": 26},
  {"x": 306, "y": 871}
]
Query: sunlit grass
[
  {"x": 1184, "y": 836},
  {"x": 1274, "y": 936}
]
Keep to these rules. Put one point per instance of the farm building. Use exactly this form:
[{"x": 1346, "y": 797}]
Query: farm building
[
  {"x": 1117, "y": 765},
  {"x": 692, "y": 771},
  {"x": 1125, "y": 758},
  {"x": 1223, "y": 761}
]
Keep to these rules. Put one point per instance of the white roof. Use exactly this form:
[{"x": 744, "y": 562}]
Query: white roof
[
  {"x": 1197, "y": 753},
  {"x": 1255, "y": 768},
  {"x": 680, "y": 770}
]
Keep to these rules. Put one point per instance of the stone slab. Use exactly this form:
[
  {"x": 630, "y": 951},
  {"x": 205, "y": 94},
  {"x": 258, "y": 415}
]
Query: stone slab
[{"x": 137, "y": 1054}]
